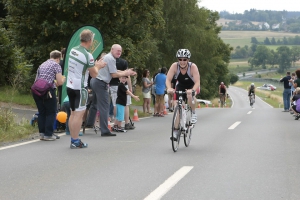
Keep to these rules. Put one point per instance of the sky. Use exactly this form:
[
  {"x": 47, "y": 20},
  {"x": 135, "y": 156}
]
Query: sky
[{"x": 239, "y": 6}]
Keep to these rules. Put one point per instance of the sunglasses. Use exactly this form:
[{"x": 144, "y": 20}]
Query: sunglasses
[{"x": 180, "y": 59}]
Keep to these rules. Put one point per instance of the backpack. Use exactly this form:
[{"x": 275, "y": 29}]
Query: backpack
[
  {"x": 298, "y": 105},
  {"x": 40, "y": 87}
]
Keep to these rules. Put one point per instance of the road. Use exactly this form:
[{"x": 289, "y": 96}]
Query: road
[{"x": 235, "y": 154}]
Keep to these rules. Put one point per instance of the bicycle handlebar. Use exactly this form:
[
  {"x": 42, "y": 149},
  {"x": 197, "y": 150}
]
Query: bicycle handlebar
[{"x": 184, "y": 92}]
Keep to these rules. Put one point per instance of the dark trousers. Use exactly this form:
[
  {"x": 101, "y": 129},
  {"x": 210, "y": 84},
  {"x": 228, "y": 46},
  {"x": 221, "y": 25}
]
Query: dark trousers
[
  {"x": 47, "y": 112},
  {"x": 100, "y": 102}
]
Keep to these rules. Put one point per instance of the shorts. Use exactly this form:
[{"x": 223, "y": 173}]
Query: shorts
[
  {"x": 114, "y": 94},
  {"x": 170, "y": 97},
  {"x": 77, "y": 99},
  {"x": 120, "y": 112},
  {"x": 159, "y": 99},
  {"x": 146, "y": 95}
]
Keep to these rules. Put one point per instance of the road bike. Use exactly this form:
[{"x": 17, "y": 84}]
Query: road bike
[
  {"x": 252, "y": 100},
  {"x": 222, "y": 100},
  {"x": 181, "y": 124}
]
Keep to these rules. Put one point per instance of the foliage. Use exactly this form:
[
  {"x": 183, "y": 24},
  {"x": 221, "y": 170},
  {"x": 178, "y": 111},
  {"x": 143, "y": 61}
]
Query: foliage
[
  {"x": 7, "y": 56},
  {"x": 233, "y": 78},
  {"x": 150, "y": 32},
  {"x": 42, "y": 26},
  {"x": 12, "y": 131}
]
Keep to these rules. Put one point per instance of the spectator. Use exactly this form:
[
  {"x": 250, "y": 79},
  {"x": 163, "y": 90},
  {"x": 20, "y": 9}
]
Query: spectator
[
  {"x": 81, "y": 65},
  {"x": 291, "y": 83},
  {"x": 286, "y": 92},
  {"x": 153, "y": 88},
  {"x": 296, "y": 105},
  {"x": 121, "y": 103},
  {"x": 50, "y": 71},
  {"x": 122, "y": 65},
  {"x": 146, "y": 83},
  {"x": 99, "y": 85},
  {"x": 170, "y": 96},
  {"x": 296, "y": 82},
  {"x": 160, "y": 81}
]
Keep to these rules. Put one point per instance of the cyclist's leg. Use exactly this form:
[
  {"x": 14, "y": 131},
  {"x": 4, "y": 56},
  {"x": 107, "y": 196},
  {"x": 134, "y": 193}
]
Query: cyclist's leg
[{"x": 193, "y": 107}]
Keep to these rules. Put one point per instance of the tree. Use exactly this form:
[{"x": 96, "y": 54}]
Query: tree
[
  {"x": 295, "y": 54},
  {"x": 254, "y": 40},
  {"x": 7, "y": 57},
  {"x": 267, "y": 41},
  {"x": 261, "y": 56},
  {"x": 233, "y": 78},
  {"x": 284, "y": 58},
  {"x": 273, "y": 41},
  {"x": 41, "y": 27}
]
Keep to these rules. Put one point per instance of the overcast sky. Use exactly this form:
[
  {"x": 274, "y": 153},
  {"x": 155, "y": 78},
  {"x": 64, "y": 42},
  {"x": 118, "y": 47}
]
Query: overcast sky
[{"x": 239, "y": 6}]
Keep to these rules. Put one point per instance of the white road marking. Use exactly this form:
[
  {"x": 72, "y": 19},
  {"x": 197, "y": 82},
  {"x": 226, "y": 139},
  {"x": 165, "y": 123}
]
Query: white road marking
[
  {"x": 159, "y": 192},
  {"x": 20, "y": 144},
  {"x": 249, "y": 112},
  {"x": 24, "y": 143},
  {"x": 233, "y": 126}
]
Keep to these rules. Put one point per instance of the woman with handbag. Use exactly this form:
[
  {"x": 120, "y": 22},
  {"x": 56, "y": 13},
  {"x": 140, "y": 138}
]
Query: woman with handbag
[{"x": 50, "y": 73}]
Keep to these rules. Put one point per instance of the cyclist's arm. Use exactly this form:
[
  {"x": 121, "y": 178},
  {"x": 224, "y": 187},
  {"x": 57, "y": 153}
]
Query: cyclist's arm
[
  {"x": 196, "y": 75},
  {"x": 219, "y": 89},
  {"x": 172, "y": 71}
]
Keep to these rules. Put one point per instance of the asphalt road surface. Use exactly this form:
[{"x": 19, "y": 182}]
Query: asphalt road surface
[{"x": 235, "y": 154}]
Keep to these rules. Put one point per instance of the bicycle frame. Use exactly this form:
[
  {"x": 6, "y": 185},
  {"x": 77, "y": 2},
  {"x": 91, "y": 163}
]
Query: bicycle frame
[{"x": 183, "y": 126}]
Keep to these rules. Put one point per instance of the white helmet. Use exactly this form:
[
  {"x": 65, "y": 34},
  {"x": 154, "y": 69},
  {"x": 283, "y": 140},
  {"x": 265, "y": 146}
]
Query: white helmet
[
  {"x": 183, "y": 53},
  {"x": 252, "y": 84}
]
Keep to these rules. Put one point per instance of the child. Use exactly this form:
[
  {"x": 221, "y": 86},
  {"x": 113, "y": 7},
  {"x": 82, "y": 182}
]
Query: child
[{"x": 121, "y": 103}]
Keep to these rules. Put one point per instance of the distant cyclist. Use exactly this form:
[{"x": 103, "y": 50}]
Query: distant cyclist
[
  {"x": 222, "y": 93},
  {"x": 188, "y": 78},
  {"x": 251, "y": 90}
]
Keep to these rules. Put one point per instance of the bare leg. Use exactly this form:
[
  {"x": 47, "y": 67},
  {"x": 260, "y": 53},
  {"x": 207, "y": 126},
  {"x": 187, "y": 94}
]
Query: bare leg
[
  {"x": 144, "y": 105},
  {"x": 75, "y": 123},
  {"x": 127, "y": 114}
]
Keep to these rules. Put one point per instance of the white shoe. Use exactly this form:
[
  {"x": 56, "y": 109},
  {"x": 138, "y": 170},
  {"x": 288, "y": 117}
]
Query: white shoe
[{"x": 194, "y": 118}]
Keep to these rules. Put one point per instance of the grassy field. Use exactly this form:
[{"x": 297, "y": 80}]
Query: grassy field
[{"x": 242, "y": 38}]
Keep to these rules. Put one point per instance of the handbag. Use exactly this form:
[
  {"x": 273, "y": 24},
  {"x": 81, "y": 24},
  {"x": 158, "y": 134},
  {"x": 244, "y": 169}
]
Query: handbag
[{"x": 40, "y": 86}]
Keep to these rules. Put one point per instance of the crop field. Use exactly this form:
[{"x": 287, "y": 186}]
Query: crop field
[{"x": 242, "y": 38}]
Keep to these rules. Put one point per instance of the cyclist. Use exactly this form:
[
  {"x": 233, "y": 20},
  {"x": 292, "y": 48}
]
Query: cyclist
[
  {"x": 188, "y": 79},
  {"x": 222, "y": 92},
  {"x": 251, "y": 90}
]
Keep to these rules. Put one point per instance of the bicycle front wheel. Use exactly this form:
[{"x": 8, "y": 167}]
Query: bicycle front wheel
[
  {"x": 188, "y": 132},
  {"x": 175, "y": 133}
]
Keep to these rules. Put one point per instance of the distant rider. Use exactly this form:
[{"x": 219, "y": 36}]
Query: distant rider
[
  {"x": 251, "y": 90},
  {"x": 222, "y": 92}
]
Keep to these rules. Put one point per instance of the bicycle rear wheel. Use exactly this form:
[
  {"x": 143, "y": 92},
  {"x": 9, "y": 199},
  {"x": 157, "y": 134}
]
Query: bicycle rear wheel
[
  {"x": 188, "y": 132},
  {"x": 176, "y": 129}
]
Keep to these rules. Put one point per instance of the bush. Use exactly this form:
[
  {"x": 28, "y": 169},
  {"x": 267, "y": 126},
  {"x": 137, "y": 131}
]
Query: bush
[{"x": 233, "y": 78}]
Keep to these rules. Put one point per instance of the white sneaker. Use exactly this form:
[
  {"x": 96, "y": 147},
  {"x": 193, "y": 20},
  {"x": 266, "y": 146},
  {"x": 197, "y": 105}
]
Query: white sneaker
[
  {"x": 175, "y": 133},
  {"x": 194, "y": 118}
]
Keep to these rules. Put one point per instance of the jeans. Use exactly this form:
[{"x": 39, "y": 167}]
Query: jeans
[
  {"x": 66, "y": 107},
  {"x": 286, "y": 98},
  {"x": 47, "y": 112}
]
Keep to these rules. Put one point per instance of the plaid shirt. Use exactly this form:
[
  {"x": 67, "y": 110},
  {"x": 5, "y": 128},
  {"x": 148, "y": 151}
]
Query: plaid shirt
[{"x": 48, "y": 71}]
